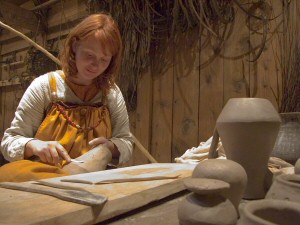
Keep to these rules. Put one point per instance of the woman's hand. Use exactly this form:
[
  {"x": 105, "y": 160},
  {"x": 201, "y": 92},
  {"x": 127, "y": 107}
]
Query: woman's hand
[
  {"x": 50, "y": 152},
  {"x": 109, "y": 144}
]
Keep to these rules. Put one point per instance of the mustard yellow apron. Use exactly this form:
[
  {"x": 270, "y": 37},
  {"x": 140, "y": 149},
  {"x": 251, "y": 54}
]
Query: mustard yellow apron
[{"x": 73, "y": 126}]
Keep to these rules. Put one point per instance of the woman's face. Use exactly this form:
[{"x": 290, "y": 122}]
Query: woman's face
[{"x": 91, "y": 59}]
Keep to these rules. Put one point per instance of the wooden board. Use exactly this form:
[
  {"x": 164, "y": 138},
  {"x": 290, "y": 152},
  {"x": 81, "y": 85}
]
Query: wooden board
[
  {"x": 236, "y": 60},
  {"x": 162, "y": 101},
  {"x": 211, "y": 87},
  {"x": 186, "y": 93},
  {"x": 143, "y": 116},
  {"x": 265, "y": 73},
  {"x": 153, "y": 213},
  {"x": 32, "y": 208}
]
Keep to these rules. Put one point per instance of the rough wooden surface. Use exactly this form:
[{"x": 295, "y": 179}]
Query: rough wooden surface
[
  {"x": 32, "y": 208},
  {"x": 143, "y": 117},
  {"x": 211, "y": 87},
  {"x": 265, "y": 74},
  {"x": 236, "y": 62},
  {"x": 162, "y": 106},
  {"x": 164, "y": 212},
  {"x": 186, "y": 93}
]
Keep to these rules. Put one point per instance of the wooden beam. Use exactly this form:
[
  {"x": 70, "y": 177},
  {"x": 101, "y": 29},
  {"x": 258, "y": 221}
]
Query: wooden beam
[
  {"x": 18, "y": 2},
  {"x": 44, "y": 5},
  {"x": 17, "y": 81},
  {"x": 19, "y": 17}
]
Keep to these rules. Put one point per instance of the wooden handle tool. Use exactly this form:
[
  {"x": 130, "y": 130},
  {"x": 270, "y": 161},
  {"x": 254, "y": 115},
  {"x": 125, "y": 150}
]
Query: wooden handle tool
[{"x": 60, "y": 191}]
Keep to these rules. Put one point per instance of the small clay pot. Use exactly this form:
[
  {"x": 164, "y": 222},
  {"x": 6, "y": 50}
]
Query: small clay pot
[
  {"x": 285, "y": 187},
  {"x": 225, "y": 170},
  {"x": 270, "y": 212},
  {"x": 206, "y": 205},
  {"x": 297, "y": 167}
]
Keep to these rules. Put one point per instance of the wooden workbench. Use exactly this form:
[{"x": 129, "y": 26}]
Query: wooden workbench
[
  {"x": 19, "y": 207},
  {"x": 164, "y": 211}
]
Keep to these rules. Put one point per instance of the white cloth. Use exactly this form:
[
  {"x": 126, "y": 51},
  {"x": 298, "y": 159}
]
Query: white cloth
[
  {"x": 200, "y": 153},
  {"x": 31, "y": 112}
]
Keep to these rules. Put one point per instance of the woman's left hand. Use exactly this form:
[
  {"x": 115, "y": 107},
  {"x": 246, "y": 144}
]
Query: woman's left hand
[{"x": 109, "y": 144}]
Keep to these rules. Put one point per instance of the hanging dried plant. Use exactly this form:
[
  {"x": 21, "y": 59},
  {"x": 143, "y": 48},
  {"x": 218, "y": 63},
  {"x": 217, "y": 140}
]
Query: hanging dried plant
[{"x": 143, "y": 23}]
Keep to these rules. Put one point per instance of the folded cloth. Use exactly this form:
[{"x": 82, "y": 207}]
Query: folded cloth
[
  {"x": 200, "y": 153},
  {"x": 278, "y": 166}
]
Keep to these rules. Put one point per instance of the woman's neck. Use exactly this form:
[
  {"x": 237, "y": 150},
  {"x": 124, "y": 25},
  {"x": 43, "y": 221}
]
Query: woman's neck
[{"x": 78, "y": 81}]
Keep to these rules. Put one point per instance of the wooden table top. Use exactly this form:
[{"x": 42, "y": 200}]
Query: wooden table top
[
  {"x": 163, "y": 211},
  {"x": 19, "y": 207}
]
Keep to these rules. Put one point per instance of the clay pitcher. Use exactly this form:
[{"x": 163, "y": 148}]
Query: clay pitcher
[{"x": 248, "y": 128}]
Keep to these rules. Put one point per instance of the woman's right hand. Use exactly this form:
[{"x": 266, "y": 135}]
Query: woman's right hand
[{"x": 50, "y": 152}]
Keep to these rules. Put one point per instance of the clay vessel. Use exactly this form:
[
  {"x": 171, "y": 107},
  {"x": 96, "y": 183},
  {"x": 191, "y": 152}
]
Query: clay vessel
[
  {"x": 270, "y": 212},
  {"x": 285, "y": 187},
  {"x": 248, "y": 128},
  {"x": 287, "y": 145},
  {"x": 206, "y": 205},
  {"x": 297, "y": 167},
  {"x": 225, "y": 170}
]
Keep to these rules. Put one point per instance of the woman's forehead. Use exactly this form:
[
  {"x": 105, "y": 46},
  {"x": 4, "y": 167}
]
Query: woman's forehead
[{"x": 95, "y": 45}]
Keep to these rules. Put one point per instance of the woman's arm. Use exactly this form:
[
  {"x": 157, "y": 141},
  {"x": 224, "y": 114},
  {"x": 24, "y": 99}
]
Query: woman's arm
[
  {"x": 121, "y": 136},
  {"x": 28, "y": 117}
]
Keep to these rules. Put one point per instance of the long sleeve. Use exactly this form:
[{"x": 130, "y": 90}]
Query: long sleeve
[
  {"x": 121, "y": 135},
  {"x": 28, "y": 116}
]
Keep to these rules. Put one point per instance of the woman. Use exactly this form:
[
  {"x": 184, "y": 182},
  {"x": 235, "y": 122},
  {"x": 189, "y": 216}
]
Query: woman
[{"x": 77, "y": 113}]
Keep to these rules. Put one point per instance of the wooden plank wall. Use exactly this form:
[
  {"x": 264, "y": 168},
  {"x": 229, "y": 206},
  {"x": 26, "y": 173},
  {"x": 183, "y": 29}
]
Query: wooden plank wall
[{"x": 177, "y": 104}]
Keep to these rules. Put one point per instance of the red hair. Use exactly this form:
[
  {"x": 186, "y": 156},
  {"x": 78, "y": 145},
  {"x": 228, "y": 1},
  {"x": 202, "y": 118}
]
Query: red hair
[{"x": 106, "y": 30}]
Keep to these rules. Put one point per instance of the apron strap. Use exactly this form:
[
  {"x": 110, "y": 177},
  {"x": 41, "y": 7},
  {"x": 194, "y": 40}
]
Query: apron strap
[
  {"x": 61, "y": 73},
  {"x": 52, "y": 83}
]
